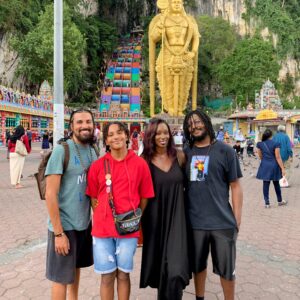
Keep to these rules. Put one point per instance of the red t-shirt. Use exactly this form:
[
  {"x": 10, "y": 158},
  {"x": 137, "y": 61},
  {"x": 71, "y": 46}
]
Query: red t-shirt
[
  {"x": 131, "y": 180},
  {"x": 12, "y": 146}
]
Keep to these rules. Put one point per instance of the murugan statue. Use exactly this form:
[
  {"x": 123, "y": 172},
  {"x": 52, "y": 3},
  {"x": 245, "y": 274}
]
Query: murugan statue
[{"x": 177, "y": 62}]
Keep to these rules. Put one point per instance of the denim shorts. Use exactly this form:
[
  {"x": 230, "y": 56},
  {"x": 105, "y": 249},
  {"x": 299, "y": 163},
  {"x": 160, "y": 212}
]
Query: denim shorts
[{"x": 113, "y": 253}]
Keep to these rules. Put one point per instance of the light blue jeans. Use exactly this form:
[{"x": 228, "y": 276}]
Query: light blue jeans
[{"x": 113, "y": 253}]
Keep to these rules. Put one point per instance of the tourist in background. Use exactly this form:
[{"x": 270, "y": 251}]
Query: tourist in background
[
  {"x": 243, "y": 146},
  {"x": 7, "y": 137},
  {"x": 51, "y": 139},
  {"x": 220, "y": 134},
  {"x": 238, "y": 136},
  {"x": 135, "y": 140},
  {"x": 250, "y": 147},
  {"x": 165, "y": 264},
  {"x": 45, "y": 143},
  {"x": 29, "y": 135},
  {"x": 226, "y": 137},
  {"x": 271, "y": 167},
  {"x": 97, "y": 135},
  {"x": 237, "y": 148},
  {"x": 286, "y": 152},
  {"x": 296, "y": 137},
  {"x": 16, "y": 161}
]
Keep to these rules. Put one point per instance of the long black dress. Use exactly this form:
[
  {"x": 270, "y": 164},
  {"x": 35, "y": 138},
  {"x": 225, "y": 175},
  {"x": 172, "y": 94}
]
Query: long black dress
[{"x": 165, "y": 263}]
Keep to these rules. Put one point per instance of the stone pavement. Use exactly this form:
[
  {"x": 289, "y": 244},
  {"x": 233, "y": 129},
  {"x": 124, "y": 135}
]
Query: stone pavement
[{"x": 268, "y": 257}]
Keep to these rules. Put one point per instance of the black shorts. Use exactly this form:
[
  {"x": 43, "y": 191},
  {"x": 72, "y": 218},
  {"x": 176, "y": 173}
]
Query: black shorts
[
  {"x": 61, "y": 268},
  {"x": 222, "y": 244}
]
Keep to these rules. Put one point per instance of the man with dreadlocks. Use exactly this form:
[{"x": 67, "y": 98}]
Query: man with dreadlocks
[{"x": 212, "y": 169}]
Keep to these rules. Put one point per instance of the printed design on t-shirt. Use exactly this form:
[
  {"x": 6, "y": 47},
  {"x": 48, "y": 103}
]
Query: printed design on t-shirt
[
  {"x": 81, "y": 179},
  {"x": 199, "y": 168},
  {"x": 76, "y": 161}
]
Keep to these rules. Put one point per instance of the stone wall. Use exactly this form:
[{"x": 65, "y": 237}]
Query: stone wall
[{"x": 88, "y": 7}]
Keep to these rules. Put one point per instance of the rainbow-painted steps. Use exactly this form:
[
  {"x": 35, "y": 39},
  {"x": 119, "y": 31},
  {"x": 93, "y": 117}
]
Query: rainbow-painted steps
[{"x": 122, "y": 89}]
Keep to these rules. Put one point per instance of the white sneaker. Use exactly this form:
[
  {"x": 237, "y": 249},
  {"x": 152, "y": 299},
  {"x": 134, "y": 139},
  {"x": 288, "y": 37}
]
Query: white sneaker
[{"x": 283, "y": 202}]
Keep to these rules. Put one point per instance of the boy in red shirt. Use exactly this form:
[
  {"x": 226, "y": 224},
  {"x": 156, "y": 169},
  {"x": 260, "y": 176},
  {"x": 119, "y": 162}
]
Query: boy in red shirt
[{"x": 131, "y": 185}]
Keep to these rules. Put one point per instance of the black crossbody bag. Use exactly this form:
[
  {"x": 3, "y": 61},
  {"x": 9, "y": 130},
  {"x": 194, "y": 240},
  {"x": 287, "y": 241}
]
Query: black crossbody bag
[{"x": 125, "y": 223}]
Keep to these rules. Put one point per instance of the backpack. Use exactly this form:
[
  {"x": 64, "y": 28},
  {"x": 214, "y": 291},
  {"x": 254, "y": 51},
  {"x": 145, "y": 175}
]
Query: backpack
[{"x": 40, "y": 175}]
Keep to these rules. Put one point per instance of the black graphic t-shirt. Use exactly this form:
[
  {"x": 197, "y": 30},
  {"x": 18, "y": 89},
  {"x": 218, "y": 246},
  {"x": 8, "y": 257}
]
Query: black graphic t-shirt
[{"x": 209, "y": 171}]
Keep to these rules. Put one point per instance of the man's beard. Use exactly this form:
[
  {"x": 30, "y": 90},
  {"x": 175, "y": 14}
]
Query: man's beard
[
  {"x": 200, "y": 138},
  {"x": 88, "y": 139}
]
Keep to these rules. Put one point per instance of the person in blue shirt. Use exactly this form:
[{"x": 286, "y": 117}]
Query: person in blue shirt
[
  {"x": 286, "y": 151},
  {"x": 220, "y": 135},
  {"x": 271, "y": 167}
]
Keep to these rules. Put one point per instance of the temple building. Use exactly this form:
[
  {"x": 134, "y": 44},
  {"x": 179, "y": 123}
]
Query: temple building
[
  {"x": 34, "y": 112},
  {"x": 268, "y": 97}
]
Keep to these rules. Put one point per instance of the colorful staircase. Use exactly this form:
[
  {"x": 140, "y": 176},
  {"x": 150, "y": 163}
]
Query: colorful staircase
[{"x": 122, "y": 97}]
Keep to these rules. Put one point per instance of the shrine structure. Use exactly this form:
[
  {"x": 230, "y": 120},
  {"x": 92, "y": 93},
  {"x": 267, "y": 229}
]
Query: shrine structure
[{"x": 268, "y": 97}]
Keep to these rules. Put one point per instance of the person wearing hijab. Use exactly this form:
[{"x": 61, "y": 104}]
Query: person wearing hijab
[{"x": 16, "y": 161}]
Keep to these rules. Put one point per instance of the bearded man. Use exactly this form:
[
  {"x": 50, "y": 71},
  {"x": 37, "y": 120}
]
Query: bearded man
[
  {"x": 214, "y": 221},
  {"x": 69, "y": 223}
]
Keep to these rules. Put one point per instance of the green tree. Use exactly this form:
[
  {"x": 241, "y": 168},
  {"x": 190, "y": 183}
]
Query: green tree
[
  {"x": 36, "y": 50},
  {"x": 218, "y": 39},
  {"x": 20, "y": 15},
  {"x": 287, "y": 85},
  {"x": 245, "y": 70},
  {"x": 282, "y": 18},
  {"x": 101, "y": 39}
]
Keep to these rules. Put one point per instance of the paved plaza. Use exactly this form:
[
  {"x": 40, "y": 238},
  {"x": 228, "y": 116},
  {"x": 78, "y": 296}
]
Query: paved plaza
[{"x": 268, "y": 263}]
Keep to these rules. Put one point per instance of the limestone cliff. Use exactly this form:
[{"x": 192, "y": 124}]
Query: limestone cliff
[
  {"x": 231, "y": 10},
  {"x": 88, "y": 7},
  {"x": 8, "y": 63},
  {"x": 128, "y": 13}
]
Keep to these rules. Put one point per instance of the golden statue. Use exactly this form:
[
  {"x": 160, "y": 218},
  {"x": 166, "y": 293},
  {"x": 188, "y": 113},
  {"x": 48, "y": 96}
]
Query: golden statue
[{"x": 177, "y": 62}]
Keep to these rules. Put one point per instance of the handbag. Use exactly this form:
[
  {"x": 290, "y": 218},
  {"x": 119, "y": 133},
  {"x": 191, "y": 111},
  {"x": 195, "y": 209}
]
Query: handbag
[
  {"x": 127, "y": 222},
  {"x": 283, "y": 182},
  {"x": 20, "y": 148}
]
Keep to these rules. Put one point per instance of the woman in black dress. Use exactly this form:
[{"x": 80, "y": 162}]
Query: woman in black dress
[
  {"x": 165, "y": 264},
  {"x": 271, "y": 166}
]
